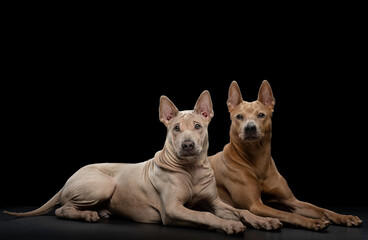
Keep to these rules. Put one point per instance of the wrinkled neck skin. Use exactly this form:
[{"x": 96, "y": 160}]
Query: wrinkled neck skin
[{"x": 167, "y": 158}]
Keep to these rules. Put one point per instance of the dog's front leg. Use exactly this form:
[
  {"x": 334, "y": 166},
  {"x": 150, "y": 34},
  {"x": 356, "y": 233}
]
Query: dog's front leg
[
  {"x": 223, "y": 210},
  {"x": 173, "y": 196},
  {"x": 310, "y": 210},
  {"x": 177, "y": 214}
]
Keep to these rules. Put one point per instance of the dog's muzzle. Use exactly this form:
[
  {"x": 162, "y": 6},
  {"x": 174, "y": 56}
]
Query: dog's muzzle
[
  {"x": 188, "y": 149},
  {"x": 251, "y": 131},
  {"x": 188, "y": 145}
]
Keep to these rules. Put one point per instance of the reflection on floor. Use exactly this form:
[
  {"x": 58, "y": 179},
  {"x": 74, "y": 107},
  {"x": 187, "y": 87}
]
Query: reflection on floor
[{"x": 51, "y": 227}]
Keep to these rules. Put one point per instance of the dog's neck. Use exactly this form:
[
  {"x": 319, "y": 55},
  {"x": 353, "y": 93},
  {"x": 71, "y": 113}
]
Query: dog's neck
[
  {"x": 256, "y": 154},
  {"x": 167, "y": 159}
]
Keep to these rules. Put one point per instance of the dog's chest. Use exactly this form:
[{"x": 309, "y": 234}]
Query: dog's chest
[{"x": 202, "y": 183}]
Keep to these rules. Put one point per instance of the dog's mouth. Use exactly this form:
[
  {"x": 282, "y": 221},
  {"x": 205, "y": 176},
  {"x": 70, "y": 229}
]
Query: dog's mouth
[
  {"x": 251, "y": 138},
  {"x": 188, "y": 149},
  {"x": 188, "y": 154},
  {"x": 251, "y": 133}
]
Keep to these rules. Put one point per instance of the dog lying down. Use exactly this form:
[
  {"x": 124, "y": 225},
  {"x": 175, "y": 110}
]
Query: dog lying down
[
  {"x": 246, "y": 174},
  {"x": 164, "y": 189}
]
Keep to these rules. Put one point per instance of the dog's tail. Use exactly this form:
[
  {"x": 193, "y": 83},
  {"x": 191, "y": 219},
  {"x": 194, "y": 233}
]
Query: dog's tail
[{"x": 47, "y": 207}]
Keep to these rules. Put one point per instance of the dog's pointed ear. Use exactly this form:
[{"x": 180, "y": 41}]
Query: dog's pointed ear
[
  {"x": 167, "y": 110},
  {"x": 235, "y": 97},
  {"x": 265, "y": 95},
  {"x": 203, "y": 106}
]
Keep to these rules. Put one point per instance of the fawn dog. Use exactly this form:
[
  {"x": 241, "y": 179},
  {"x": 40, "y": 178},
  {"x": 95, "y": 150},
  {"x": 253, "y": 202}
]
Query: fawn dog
[{"x": 245, "y": 170}]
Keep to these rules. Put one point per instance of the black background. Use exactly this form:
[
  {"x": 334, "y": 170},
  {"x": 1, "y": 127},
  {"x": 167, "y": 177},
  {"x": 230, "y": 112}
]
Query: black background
[{"x": 85, "y": 95}]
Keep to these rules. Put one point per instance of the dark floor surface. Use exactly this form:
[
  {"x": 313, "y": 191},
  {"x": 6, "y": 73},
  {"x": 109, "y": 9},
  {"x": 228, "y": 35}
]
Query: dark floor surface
[{"x": 51, "y": 227}]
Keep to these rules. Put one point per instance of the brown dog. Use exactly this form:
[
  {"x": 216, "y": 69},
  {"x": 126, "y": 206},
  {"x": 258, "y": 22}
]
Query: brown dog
[{"x": 245, "y": 170}]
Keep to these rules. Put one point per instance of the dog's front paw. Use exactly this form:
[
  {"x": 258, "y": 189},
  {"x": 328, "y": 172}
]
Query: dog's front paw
[
  {"x": 346, "y": 220},
  {"x": 266, "y": 223},
  {"x": 269, "y": 224},
  {"x": 318, "y": 224},
  {"x": 258, "y": 222},
  {"x": 233, "y": 227}
]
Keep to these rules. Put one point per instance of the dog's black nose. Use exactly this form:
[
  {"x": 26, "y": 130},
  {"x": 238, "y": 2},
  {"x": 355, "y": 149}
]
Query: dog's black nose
[
  {"x": 187, "y": 145},
  {"x": 250, "y": 128}
]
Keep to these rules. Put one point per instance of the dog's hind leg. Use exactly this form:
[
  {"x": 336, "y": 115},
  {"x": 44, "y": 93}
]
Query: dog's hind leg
[
  {"x": 85, "y": 193},
  {"x": 71, "y": 211},
  {"x": 104, "y": 213}
]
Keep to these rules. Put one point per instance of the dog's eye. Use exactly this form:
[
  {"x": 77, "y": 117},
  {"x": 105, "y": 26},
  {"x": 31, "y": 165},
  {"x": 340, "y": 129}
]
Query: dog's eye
[
  {"x": 261, "y": 115},
  {"x": 197, "y": 126},
  {"x": 177, "y": 128},
  {"x": 239, "y": 116}
]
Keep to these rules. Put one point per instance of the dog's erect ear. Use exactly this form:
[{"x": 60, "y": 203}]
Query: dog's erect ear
[
  {"x": 167, "y": 110},
  {"x": 204, "y": 106},
  {"x": 235, "y": 97},
  {"x": 265, "y": 95}
]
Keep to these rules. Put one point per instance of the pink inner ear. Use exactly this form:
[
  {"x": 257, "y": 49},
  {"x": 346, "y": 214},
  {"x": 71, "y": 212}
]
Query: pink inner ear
[
  {"x": 169, "y": 117},
  {"x": 204, "y": 114}
]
